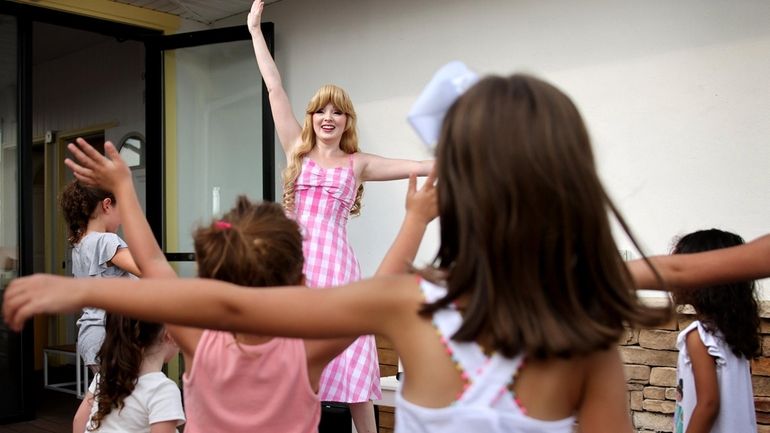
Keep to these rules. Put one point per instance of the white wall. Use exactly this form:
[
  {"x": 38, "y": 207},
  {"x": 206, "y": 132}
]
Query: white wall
[{"x": 675, "y": 94}]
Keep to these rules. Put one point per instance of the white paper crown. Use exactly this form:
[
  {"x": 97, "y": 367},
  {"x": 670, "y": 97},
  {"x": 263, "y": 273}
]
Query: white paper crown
[{"x": 427, "y": 113}]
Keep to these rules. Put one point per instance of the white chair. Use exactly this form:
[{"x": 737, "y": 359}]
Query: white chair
[{"x": 81, "y": 370}]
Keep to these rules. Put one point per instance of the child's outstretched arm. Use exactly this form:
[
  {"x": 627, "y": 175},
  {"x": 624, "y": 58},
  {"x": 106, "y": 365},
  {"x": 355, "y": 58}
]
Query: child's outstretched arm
[
  {"x": 114, "y": 175},
  {"x": 375, "y": 306},
  {"x": 286, "y": 124},
  {"x": 686, "y": 271},
  {"x": 376, "y": 168}
]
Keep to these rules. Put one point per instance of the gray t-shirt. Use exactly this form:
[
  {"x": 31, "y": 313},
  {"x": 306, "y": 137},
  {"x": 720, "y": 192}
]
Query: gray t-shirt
[{"x": 90, "y": 259}]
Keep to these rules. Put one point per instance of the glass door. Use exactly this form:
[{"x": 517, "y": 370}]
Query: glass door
[
  {"x": 208, "y": 108},
  {"x": 217, "y": 133}
]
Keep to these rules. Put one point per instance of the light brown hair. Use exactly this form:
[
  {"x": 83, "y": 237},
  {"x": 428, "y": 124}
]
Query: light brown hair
[
  {"x": 252, "y": 245},
  {"x": 525, "y": 231},
  {"x": 339, "y": 98}
]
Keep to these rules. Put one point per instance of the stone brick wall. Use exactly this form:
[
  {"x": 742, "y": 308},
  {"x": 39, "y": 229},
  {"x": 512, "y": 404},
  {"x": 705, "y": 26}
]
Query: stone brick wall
[{"x": 650, "y": 357}]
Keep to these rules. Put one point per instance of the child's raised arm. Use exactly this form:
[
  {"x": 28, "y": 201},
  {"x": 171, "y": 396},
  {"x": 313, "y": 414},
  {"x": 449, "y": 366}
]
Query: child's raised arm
[
  {"x": 114, "y": 175},
  {"x": 750, "y": 261},
  {"x": 286, "y": 124},
  {"x": 421, "y": 209}
]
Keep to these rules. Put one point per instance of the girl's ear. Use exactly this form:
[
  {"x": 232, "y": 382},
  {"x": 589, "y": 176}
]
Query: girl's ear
[
  {"x": 167, "y": 337},
  {"x": 106, "y": 204}
]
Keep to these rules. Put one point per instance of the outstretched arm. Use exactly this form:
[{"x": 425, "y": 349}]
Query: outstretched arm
[
  {"x": 745, "y": 262},
  {"x": 373, "y": 167},
  {"x": 114, "y": 175},
  {"x": 285, "y": 123},
  {"x": 375, "y": 306}
]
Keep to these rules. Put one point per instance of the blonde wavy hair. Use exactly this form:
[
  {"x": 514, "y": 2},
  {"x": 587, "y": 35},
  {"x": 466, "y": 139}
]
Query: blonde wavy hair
[{"x": 335, "y": 95}]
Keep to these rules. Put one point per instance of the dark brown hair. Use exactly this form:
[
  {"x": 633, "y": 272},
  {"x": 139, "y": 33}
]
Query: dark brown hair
[
  {"x": 525, "y": 232},
  {"x": 729, "y": 309},
  {"x": 77, "y": 203},
  {"x": 252, "y": 245},
  {"x": 120, "y": 359}
]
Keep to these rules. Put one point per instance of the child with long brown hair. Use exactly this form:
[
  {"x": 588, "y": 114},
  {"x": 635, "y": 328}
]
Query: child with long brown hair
[
  {"x": 93, "y": 219},
  {"x": 246, "y": 382},
  {"x": 130, "y": 393},
  {"x": 322, "y": 188},
  {"x": 514, "y": 327}
]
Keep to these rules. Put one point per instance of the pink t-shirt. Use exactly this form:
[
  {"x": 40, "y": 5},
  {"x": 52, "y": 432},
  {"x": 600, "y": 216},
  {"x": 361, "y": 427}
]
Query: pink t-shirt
[{"x": 247, "y": 388}]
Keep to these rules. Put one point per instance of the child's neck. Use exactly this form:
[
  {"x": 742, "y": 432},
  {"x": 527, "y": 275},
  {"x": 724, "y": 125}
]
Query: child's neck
[
  {"x": 153, "y": 362},
  {"x": 96, "y": 225}
]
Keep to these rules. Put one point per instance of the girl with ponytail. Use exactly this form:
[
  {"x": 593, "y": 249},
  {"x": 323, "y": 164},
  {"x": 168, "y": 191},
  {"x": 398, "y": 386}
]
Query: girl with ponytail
[{"x": 93, "y": 219}]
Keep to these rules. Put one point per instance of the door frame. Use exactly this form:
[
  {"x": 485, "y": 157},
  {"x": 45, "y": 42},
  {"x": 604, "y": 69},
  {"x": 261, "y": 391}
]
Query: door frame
[{"x": 26, "y": 16}]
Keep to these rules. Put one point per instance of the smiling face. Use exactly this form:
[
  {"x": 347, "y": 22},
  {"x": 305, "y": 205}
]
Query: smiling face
[
  {"x": 330, "y": 118},
  {"x": 329, "y": 123}
]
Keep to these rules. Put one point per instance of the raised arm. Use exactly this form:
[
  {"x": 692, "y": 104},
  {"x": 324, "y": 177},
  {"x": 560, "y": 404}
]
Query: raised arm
[
  {"x": 375, "y": 168},
  {"x": 285, "y": 123},
  {"x": 421, "y": 209},
  {"x": 745, "y": 262},
  {"x": 114, "y": 175}
]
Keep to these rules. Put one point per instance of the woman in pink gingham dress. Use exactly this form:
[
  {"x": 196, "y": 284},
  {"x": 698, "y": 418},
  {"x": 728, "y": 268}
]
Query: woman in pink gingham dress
[
  {"x": 323, "y": 183},
  {"x": 322, "y": 200}
]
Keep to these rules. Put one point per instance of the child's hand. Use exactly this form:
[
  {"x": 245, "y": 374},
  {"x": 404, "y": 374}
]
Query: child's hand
[
  {"x": 38, "y": 294},
  {"x": 422, "y": 203},
  {"x": 255, "y": 16},
  {"x": 96, "y": 170}
]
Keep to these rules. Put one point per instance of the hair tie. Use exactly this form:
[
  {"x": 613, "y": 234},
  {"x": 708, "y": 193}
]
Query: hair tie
[{"x": 222, "y": 225}]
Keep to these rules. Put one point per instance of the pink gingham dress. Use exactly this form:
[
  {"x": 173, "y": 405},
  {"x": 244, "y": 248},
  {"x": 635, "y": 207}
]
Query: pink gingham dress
[{"x": 322, "y": 201}]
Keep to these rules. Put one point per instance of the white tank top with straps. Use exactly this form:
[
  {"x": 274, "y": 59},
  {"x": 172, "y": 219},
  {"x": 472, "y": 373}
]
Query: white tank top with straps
[{"x": 487, "y": 404}]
